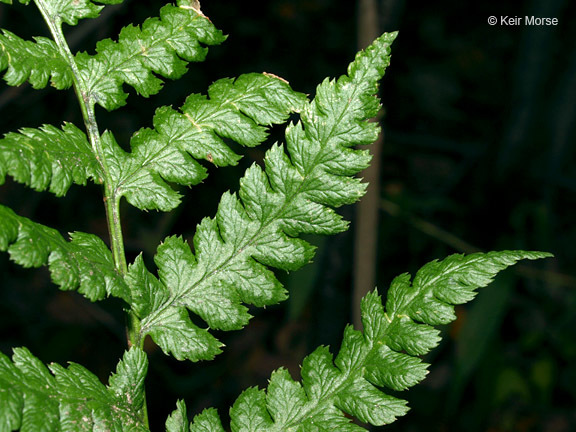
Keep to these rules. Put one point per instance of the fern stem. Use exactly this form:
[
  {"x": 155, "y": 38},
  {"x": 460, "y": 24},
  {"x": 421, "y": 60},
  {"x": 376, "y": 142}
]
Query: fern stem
[
  {"x": 111, "y": 199},
  {"x": 112, "y": 203},
  {"x": 87, "y": 107}
]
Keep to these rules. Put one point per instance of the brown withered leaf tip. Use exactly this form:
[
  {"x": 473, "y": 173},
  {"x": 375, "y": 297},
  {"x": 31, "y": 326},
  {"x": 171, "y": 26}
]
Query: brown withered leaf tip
[
  {"x": 193, "y": 4},
  {"x": 275, "y": 76}
]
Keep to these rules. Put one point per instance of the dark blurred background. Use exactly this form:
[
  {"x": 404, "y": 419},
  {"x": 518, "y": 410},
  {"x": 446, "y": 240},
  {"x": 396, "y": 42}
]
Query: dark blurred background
[{"x": 477, "y": 154}]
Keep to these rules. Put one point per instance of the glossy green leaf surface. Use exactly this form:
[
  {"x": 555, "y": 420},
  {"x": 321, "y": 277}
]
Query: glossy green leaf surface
[
  {"x": 161, "y": 46},
  {"x": 48, "y": 158},
  {"x": 207, "y": 284},
  {"x": 84, "y": 263},
  {"x": 199, "y": 130},
  {"x": 35, "y": 398},
  {"x": 383, "y": 357},
  {"x": 68, "y": 11},
  {"x": 294, "y": 194},
  {"x": 39, "y": 62}
]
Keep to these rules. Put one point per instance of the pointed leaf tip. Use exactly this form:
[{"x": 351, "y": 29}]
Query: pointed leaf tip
[
  {"x": 259, "y": 227},
  {"x": 384, "y": 357}
]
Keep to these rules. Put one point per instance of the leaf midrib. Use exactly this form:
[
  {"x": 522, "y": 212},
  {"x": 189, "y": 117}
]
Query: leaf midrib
[
  {"x": 119, "y": 191},
  {"x": 118, "y": 67},
  {"x": 148, "y": 322},
  {"x": 347, "y": 378}
]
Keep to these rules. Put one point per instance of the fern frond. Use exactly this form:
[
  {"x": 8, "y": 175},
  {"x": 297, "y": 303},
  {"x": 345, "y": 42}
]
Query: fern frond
[
  {"x": 293, "y": 195},
  {"x": 207, "y": 421},
  {"x": 84, "y": 263},
  {"x": 384, "y": 355},
  {"x": 37, "y": 62},
  {"x": 163, "y": 46},
  {"x": 198, "y": 130},
  {"x": 70, "y": 11},
  {"x": 48, "y": 158},
  {"x": 70, "y": 399}
]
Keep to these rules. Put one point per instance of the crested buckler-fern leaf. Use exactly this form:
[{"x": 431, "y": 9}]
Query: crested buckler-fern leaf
[
  {"x": 41, "y": 61},
  {"x": 48, "y": 158},
  {"x": 178, "y": 420},
  {"x": 69, "y": 11},
  {"x": 84, "y": 263},
  {"x": 198, "y": 130},
  {"x": 384, "y": 355},
  {"x": 37, "y": 62},
  {"x": 71, "y": 399},
  {"x": 293, "y": 195},
  {"x": 162, "y": 46}
]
